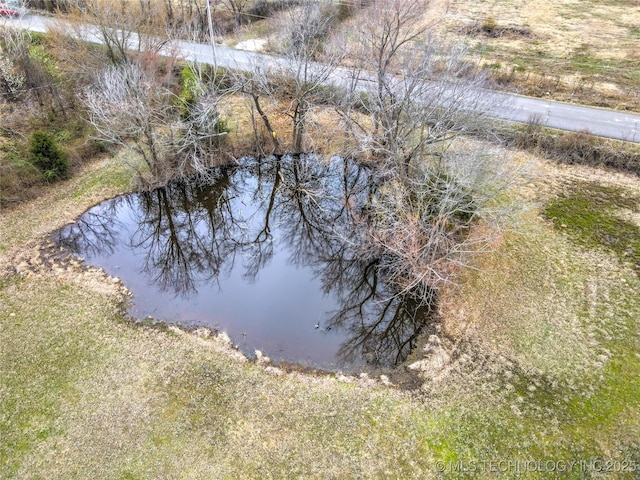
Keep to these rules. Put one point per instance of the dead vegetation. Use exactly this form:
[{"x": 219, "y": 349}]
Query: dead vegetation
[
  {"x": 490, "y": 29},
  {"x": 579, "y": 148},
  {"x": 583, "y": 52}
]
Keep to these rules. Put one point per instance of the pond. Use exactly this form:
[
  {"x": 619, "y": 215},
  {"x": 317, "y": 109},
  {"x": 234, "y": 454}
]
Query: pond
[{"x": 270, "y": 252}]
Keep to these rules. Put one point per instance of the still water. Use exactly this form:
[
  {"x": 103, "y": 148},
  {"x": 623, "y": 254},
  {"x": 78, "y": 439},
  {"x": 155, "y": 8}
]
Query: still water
[{"x": 271, "y": 252}]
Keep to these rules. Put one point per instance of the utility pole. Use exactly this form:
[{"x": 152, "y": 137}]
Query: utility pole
[{"x": 211, "y": 37}]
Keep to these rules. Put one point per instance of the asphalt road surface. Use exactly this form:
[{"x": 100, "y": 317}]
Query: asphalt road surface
[{"x": 516, "y": 108}]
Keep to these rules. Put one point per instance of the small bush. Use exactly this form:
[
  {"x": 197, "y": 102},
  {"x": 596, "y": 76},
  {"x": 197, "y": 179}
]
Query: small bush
[
  {"x": 265, "y": 9},
  {"x": 345, "y": 10},
  {"x": 17, "y": 177},
  {"x": 489, "y": 24},
  {"x": 48, "y": 157},
  {"x": 222, "y": 127},
  {"x": 191, "y": 88}
]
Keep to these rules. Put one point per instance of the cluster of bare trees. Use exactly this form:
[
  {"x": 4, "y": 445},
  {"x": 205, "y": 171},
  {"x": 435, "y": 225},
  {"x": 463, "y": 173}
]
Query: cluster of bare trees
[
  {"x": 130, "y": 109},
  {"x": 307, "y": 28},
  {"x": 403, "y": 100},
  {"x": 181, "y": 17},
  {"x": 409, "y": 96}
]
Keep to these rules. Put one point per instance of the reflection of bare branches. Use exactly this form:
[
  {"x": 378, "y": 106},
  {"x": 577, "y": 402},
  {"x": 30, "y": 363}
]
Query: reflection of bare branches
[
  {"x": 184, "y": 233},
  {"x": 383, "y": 325},
  {"x": 192, "y": 233},
  {"x": 321, "y": 207},
  {"x": 258, "y": 246},
  {"x": 94, "y": 232}
]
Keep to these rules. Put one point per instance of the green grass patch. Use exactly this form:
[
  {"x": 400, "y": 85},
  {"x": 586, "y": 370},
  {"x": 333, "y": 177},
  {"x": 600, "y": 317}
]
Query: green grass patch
[
  {"x": 584, "y": 62},
  {"x": 38, "y": 369},
  {"x": 113, "y": 176},
  {"x": 588, "y": 215}
]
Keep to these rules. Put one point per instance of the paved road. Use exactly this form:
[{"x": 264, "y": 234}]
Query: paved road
[{"x": 516, "y": 108}]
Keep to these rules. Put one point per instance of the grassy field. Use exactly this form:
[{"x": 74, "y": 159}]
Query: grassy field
[
  {"x": 581, "y": 51},
  {"x": 536, "y": 360},
  {"x": 577, "y": 51}
]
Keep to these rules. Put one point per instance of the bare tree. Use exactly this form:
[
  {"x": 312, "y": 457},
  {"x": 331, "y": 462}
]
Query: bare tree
[
  {"x": 128, "y": 108},
  {"x": 237, "y": 8},
  {"x": 416, "y": 92},
  {"x": 298, "y": 79},
  {"x": 122, "y": 26},
  {"x": 306, "y": 29},
  {"x": 408, "y": 98},
  {"x": 426, "y": 228},
  {"x": 257, "y": 85}
]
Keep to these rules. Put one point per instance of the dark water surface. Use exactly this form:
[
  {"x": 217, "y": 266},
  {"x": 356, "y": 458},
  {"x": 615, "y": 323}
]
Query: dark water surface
[{"x": 270, "y": 252}]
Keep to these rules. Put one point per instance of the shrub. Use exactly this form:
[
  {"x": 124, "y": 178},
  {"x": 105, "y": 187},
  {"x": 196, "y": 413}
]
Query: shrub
[
  {"x": 264, "y": 8},
  {"x": 489, "y": 25},
  {"x": 48, "y": 157},
  {"x": 17, "y": 176},
  {"x": 580, "y": 148},
  {"x": 191, "y": 88}
]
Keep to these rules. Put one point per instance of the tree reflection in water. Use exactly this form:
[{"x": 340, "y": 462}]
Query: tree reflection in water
[
  {"x": 95, "y": 231},
  {"x": 192, "y": 235}
]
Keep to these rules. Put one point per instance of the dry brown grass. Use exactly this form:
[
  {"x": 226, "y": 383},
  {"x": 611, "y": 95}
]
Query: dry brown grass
[
  {"x": 579, "y": 148},
  {"x": 543, "y": 326},
  {"x": 324, "y": 127},
  {"x": 570, "y": 50},
  {"x": 585, "y": 51}
]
